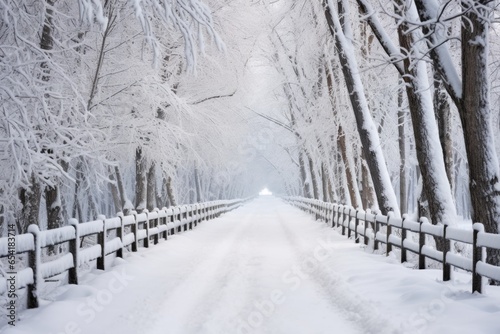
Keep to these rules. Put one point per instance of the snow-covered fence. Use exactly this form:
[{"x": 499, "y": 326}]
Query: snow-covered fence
[
  {"x": 392, "y": 231},
  {"x": 113, "y": 236}
]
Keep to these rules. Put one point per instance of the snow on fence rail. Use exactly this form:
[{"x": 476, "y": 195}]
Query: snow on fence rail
[
  {"x": 147, "y": 227},
  {"x": 369, "y": 226}
]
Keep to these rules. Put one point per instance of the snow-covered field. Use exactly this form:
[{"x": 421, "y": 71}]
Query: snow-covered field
[{"x": 264, "y": 268}]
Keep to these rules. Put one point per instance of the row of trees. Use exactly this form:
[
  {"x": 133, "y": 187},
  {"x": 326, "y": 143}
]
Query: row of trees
[
  {"x": 337, "y": 100},
  {"x": 391, "y": 105},
  {"x": 105, "y": 107}
]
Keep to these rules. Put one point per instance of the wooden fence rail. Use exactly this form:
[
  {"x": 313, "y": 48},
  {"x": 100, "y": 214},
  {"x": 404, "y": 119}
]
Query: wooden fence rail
[
  {"x": 129, "y": 231},
  {"x": 370, "y": 226}
]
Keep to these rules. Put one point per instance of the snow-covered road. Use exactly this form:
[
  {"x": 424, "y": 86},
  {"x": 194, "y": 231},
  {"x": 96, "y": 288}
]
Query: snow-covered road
[{"x": 264, "y": 268}]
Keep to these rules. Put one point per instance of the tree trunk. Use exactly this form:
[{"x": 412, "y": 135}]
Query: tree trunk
[
  {"x": 306, "y": 189},
  {"x": 352, "y": 184},
  {"x": 369, "y": 198},
  {"x": 324, "y": 182},
  {"x": 77, "y": 207},
  {"x": 140, "y": 181},
  {"x": 403, "y": 201},
  {"x": 197, "y": 184},
  {"x": 471, "y": 96},
  {"x": 114, "y": 192},
  {"x": 429, "y": 154},
  {"x": 442, "y": 111},
  {"x": 52, "y": 198},
  {"x": 314, "y": 179},
  {"x": 121, "y": 188},
  {"x": 170, "y": 192},
  {"x": 476, "y": 120},
  {"x": 30, "y": 199},
  {"x": 151, "y": 188},
  {"x": 367, "y": 130}
]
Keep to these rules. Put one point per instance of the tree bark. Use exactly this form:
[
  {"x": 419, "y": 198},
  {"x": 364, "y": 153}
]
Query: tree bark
[
  {"x": 121, "y": 188},
  {"x": 114, "y": 192},
  {"x": 368, "y": 198},
  {"x": 52, "y": 196},
  {"x": 442, "y": 111},
  {"x": 197, "y": 184},
  {"x": 324, "y": 182},
  {"x": 140, "y": 181},
  {"x": 429, "y": 154},
  {"x": 306, "y": 189},
  {"x": 352, "y": 184},
  {"x": 151, "y": 188},
  {"x": 403, "y": 201},
  {"x": 477, "y": 123},
  {"x": 314, "y": 179},
  {"x": 30, "y": 200},
  {"x": 386, "y": 196},
  {"x": 170, "y": 192},
  {"x": 471, "y": 96}
]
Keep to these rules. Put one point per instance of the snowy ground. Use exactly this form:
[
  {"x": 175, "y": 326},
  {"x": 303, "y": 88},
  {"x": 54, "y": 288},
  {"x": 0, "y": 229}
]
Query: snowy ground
[{"x": 264, "y": 268}]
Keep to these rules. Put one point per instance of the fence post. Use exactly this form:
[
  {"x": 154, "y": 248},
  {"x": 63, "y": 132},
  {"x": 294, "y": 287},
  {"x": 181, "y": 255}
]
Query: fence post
[
  {"x": 388, "y": 245},
  {"x": 334, "y": 212},
  {"x": 421, "y": 244},
  {"x": 34, "y": 260},
  {"x": 195, "y": 214},
  {"x": 336, "y": 215},
  {"x": 446, "y": 266},
  {"x": 477, "y": 255},
  {"x": 119, "y": 234},
  {"x": 184, "y": 216},
  {"x": 190, "y": 216},
  {"x": 146, "y": 225},
  {"x": 73, "y": 249},
  {"x": 101, "y": 240},
  {"x": 171, "y": 218},
  {"x": 356, "y": 223},
  {"x": 157, "y": 226},
  {"x": 375, "y": 231},
  {"x": 365, "y": 227},
  {"x": 343, "y": 220},
  {"x": 164, "y": 221},
  {"x": 349, "y": 223},
  {"x": 403, "y": 237},
  {"x": 133, "y": 228}
]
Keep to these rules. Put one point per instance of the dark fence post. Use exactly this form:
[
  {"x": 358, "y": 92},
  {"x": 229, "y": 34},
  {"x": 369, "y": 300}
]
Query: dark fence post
[
  {"x": 146, "y": 226},
  {"x": 365, "y": 227},
  {"x": 134, "y": 227},
  {"x": 73, "y": 249},
  {"x": 477, "y": 283},
  {"x": 375, "y": 231},
  {"x": 388, "y": 245},
  {"x": 446, "y": 266},
  {"x": 195, "y": 215},
  {"x": 349, "y": 223},
  {"x": 101, "y": 240},
  {"x": 334, "y": 213},
  {"x": 156, "y": 224},
  {"x": 343, "y": 220},
  {"x": 339, "y": 213},
  {"x": 316, "y": 209},
  {"x": 403, "y": 237},
  {"x": 34, "y": 259},
  {"x": 190, "y": 216},
  {"x": 421, "y": 244},
  {"x": 119, "y": 234},
  {"x": 356, "y": 223}
]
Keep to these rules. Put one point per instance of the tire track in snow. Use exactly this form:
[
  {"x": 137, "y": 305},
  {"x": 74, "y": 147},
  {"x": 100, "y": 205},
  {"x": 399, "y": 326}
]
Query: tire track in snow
[
  {"x": 354, "y": 308},
  {"x": 192, "y": 301}
]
